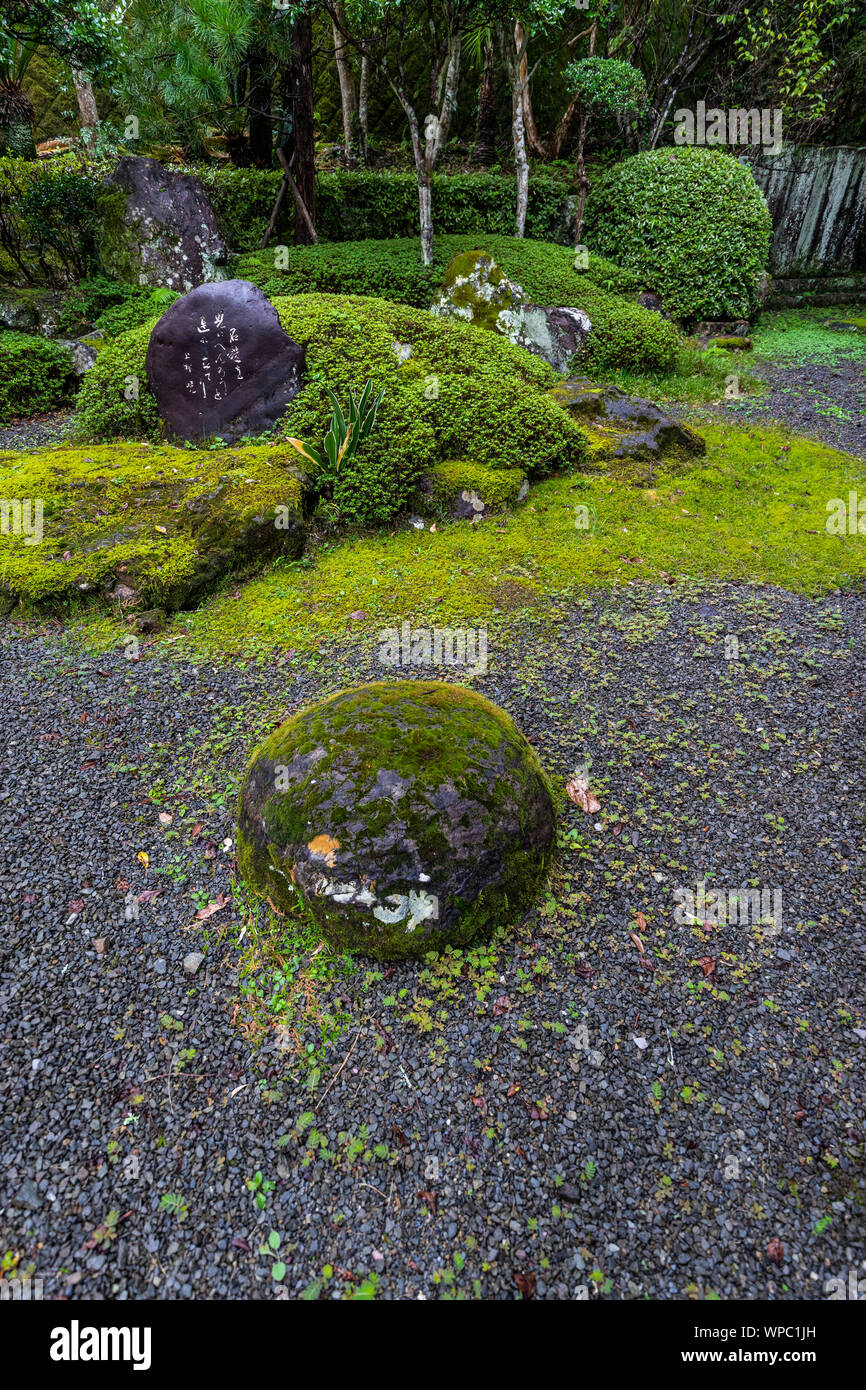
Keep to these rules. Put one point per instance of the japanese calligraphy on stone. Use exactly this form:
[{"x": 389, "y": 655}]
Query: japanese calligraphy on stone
[{"x": 220, "y": 364}]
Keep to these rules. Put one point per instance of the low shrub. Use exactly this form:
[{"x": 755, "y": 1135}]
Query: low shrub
[
  {"x": 691, "y": 224},
  {"x": 139, "y": 307},
  {"x": 458, "y": 391},
  {"x": 624, "y": 334},
  {"x": 90, "y": 299},
  {"x": 35, "y": 375}
]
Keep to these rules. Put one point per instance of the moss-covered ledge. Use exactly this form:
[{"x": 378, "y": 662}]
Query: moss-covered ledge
[{"x": 141, "y": 525}]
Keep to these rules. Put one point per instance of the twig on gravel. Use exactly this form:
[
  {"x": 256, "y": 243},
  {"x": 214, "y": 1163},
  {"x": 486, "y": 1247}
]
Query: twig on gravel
[{"x": 337, "y": 1072}]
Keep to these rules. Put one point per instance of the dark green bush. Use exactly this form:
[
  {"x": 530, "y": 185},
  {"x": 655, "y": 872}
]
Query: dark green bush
[
  {"x": 59, "y": 215},
  {"x": 139, "y": 307},
  {"x": 368, "y": 203},
  {"x": 691, "y": 224},
  {"x": 624, "y": 334},
  {"x": 91, "y": 298},
  {"x": 461, "y": 392},
  {"x": 35, "y": 375}
]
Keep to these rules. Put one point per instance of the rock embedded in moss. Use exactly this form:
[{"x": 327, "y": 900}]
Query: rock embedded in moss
[
  {"x": 220, "y": 364},
  {"x": 406, "y": 815},
  {"x": 627, "y": 427},
  {"x": 476, "y": 290},
  {"x": 467, "y": 490}
]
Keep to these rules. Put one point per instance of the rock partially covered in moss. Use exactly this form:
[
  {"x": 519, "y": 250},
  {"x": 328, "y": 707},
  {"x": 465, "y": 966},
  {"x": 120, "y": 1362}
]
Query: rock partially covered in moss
[
  {"x": 627, "y": 427},
  {"x": 468, "y": 490},
  {"x": 144, "y": 526},
  {"x": 475, "y": 289},
  {"x": 408, "y": 816}
]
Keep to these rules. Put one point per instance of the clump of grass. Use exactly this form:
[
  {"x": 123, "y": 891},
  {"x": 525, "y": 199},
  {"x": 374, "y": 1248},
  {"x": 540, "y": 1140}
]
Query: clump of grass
[{"x": 699, "y": 377}]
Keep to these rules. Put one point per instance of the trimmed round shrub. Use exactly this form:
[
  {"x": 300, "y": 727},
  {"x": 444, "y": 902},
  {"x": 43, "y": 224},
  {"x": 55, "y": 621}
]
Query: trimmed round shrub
[
  {"x": 451, "y": 391},
  {"x": 624, "y": 334},
  {"x": 406, "y": 816},
  {"x": 35, "y": 375},
  {"x": 690, "y": 223}
]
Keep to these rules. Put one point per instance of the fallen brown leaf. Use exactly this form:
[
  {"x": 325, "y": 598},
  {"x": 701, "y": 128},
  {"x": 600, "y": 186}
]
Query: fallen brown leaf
[
  {"x": 577, "y": 789},
  {"x": 217, "y": 905}
]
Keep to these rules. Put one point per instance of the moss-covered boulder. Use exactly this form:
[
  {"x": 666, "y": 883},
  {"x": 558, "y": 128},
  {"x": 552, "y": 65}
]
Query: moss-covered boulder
[
  {"x": 144, "y": 526},
  {"x": 467, "y": 490},
  {"x": 476, "y": 290},
  {"x": 408, "y": 816}
]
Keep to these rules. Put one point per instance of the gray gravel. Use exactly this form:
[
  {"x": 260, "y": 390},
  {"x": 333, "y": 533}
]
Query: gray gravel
[
  {"x": 597, "y": 1118},
  {"x": 826, "y": 403}
]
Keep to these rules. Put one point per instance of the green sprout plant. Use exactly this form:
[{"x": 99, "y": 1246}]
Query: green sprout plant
[{"x": 344, "y": 437}]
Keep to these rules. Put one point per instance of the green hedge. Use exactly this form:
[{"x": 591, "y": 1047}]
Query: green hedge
[
  {"x": 35, "y": 375},
  {"x": 461, "y": 393},
  {"x": 690, "y": 223},
  {"x": 624, "y": 334},
  {"x": 352, "y": 206}
]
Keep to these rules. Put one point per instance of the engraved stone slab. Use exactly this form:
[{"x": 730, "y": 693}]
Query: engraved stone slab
[{"x": 220, "y": 363}]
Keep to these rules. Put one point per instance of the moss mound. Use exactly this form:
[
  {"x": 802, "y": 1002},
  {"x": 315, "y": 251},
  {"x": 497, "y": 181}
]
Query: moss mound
[
  {"x": 143, "y": 525},
  {"x": 691, "y": 224},
  {"x": 624, "y": 334},
  {"x": 494, "y": 488},
  {"x": 451, "y": 391},
  {"x": 408, "y": 816}
]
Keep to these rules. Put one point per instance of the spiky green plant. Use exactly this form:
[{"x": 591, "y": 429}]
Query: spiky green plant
[{"x": 344, "y": 437}]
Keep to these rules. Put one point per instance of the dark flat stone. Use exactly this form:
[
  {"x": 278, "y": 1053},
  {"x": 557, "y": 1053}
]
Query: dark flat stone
[{"x": 220, "y": 363}]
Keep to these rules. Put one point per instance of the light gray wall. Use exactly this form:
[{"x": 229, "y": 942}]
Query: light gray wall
[{"x": 817, "y": 199}]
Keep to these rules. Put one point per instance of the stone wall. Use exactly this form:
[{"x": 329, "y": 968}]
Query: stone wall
[{"x": 817, "y": 198}]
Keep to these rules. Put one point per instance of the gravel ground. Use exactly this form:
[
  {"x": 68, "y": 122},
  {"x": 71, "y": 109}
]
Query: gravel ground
[
  {"x": 826, "y": 403},
  {"x": 37, "y": 431},
  {"x": 605, "y": 1104}
]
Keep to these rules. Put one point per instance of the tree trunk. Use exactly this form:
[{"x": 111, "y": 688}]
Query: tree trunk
[
  {"x": 511, "y": 55},
  {"x": 435, "y": 134},
  {"x": 363, "y": 95},
  {"x": 485, "y": 130},
  {"x": 87, "y": 109},
  {"x": 533, "y": 139},
  {"x": 259, "y": 108},
  {"x": 582, "y": 180},
  {"x": 348, "y": 95},
  {"x": 302, "y": 114}
]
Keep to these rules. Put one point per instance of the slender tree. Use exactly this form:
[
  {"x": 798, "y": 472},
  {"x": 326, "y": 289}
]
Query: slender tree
[{"x": 385, "y": 33}]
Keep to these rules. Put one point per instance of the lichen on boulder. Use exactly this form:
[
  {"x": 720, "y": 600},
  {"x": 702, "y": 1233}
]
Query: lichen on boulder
[
  {"x": 157, "y": 227},
  {"x": 406, "y": 815},
  {"x": 476, "y": 290}
]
